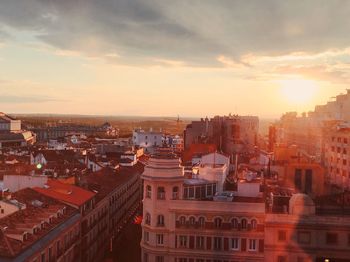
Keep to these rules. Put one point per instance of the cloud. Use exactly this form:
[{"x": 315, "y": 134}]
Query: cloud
[
  {"x": 319, "y": 72},
  {"x": 197, "y": 32},
  {"x": 10, "y": 99}
]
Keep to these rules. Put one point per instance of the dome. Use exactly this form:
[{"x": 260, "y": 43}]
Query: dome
[{"x": 301, "y": 204}]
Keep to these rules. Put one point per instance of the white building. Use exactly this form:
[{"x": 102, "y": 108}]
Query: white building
[
  {"x": 147, "y": 139},
  {"x": 18, "y": 182},
  {"x": 182, "y": 223},
  {"x": 9, "y": 124}
]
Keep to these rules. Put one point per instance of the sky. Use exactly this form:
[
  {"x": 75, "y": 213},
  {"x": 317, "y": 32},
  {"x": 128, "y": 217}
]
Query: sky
[{"x": 169, "y": 58}]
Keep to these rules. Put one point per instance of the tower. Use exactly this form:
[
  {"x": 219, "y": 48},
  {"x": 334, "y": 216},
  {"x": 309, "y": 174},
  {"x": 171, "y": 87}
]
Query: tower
[{"x": 163, "y": 181}]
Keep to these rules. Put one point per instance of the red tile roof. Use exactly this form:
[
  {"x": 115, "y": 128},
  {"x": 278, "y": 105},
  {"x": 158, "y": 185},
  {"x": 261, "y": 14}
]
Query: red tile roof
[
  {"x": 107, "y": 179},
  {"x": 28, "y": 217},
  {"x": 67, "y": 193}
]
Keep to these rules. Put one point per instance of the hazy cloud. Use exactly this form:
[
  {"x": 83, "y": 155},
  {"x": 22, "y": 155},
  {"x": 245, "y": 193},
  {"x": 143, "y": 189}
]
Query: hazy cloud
[
  {"x": 195, "y": 32},
  {"x": 10, "y": 99},
  {"x": 320, "y": 72}
]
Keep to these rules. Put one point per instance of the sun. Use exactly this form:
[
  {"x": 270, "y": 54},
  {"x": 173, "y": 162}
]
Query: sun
[{"x": 298, "y": 91}]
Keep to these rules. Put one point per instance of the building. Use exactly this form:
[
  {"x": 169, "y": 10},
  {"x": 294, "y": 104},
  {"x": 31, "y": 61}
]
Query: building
[
  {"x": 9, "y": 124},
  {"x": 91, "y": 218},
  {"x": 147, "y": 139},
  {"x": 41, "y": 229},
  {"x": 337, "y": 156},
  {"x": 12, "y": 135},
  {"x": 304, "y": 177},
  {"x": 231, "y": 134},
  {"x": 44, "y": 134},
  {"x": 193, "y": 220},
  {"x": 175, "y": 142},
  {"x": 118, "y": 198},
  {"x": 297, "y": 170},
  {"x": 306, "y": 234},
  {"x": 308, "y": 131}
]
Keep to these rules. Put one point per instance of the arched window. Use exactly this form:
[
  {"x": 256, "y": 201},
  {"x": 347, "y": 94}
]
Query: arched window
[
  {"x": 192, "y": 221},
  {"x": 217, "y": 222},
  {"x": 175, "y": 192},
  {"x": 160, "y": 221},
  {"x": 253, "y": 223},
  {"x": 148, "y": 191},
  {"x": 234, "y": 223},
  {"x": 244, "y": 223},
  {"x": 161, "y": 193},
  {"x": 182, "y": 220},
  {"x": 201, "y": 221},
  {"x": 148, "y": 219}
]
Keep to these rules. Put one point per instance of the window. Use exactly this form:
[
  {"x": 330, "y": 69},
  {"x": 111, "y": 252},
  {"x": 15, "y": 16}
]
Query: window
[
  {"x": 331, "y": 238},
  {"x": 253, "y": 223},
  {"x": 217, "y": 243},
  {"x": 297, "y": 179},
  {"x": 281, "y": 259},
  {"x": 252, "y": 245},
  {"x": 217, "y": 222},
  {"x": 160, "y": 239},
  {"x": 308, "y": 180},
  {"x": 160, "y": 221},
  {"x": 345, "y": 140},
  {"x": 304, "y": 237},
  {"x": 145, "y": 257},
  {"x": 192, "y": 221},
  {"x": 159, "y": 259},
  {"x": 234, "y": 243},
  {"x": 234, "y": 223},
  {"x": 175, "y": 192},
  {"x": 58, "y": 247},
  {"x": 344, "y": 162},
  {"x": 199, "y": 242},
  {"x": 209, "y": 190},
  {"x": 148, "y": 219},
  {"x": 344, "y": 151},
  {"x": 244, "y": 223},
  {"x": 183, "y": 241},
  {"x": 282, "y": 235},
  {"x": 182, "y": 220},
  {"x": 146, "y": 236},
  {"x": 148, "y": 191},
  {"x": 201, "y": 221},
  {"x": 161, "y": 193}
]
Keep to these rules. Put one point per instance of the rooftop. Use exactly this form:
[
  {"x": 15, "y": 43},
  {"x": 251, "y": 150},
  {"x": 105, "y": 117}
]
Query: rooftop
[
  {"x": 67, "y": 193},
  {"x": 20, "y": 225},
  {"x": 107, "y": 180}
]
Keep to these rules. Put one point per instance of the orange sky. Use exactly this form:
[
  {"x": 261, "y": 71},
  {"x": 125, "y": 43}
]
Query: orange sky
[{"x": 158, "y": 59}]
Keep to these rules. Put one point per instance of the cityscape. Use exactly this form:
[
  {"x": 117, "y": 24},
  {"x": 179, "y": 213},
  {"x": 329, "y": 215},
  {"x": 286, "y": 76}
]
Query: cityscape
[{"x": 174, "y": 131}]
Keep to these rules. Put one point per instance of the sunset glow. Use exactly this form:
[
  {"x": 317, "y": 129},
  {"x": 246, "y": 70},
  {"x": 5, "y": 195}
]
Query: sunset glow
[{"x": 298, "y": 91}]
